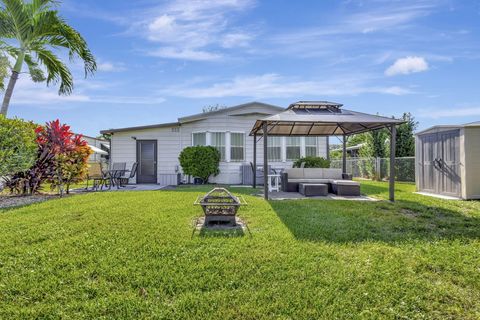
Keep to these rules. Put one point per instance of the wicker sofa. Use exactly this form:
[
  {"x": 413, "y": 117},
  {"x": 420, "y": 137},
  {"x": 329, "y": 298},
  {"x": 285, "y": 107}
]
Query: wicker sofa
[{"x": 338, "y": 183}]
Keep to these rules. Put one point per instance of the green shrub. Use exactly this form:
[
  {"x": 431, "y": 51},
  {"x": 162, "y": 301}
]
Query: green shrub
[
  {"x": 200, "y": 161},
  {"x": 18, "y": 149},
  {"x": 312, "y": 162},
  {"x": 61, "y": 159}
]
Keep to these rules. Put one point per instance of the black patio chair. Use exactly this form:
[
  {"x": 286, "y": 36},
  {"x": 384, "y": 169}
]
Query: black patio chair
[{"x": 123, "y": 180}]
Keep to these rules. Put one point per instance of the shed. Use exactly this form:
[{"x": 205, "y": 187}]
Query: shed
[{"x": 448, "y": 160}]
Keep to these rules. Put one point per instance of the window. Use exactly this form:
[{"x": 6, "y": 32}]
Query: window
[
  {"x": 237, "y": 145},
  {"x": 199, "y": 139},
  {"x": 293, "y": 148},
  {"x": 311, "y": 146},
  {"x": 218, "y": 141},
  {"x": 274, "y": 148}
]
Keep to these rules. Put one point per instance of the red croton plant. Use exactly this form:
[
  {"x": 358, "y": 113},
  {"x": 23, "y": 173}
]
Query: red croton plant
[{"x": 61, "y": 160}]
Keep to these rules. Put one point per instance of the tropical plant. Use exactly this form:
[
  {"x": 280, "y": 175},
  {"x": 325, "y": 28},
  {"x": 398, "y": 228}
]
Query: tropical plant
[
  {"x": 32, "y": 31},
  {"x": 61, "y": 159},
  {"x": 200, "y": 161},
  {"x": 312, "y": 162},
  {"x": 18, "y": 149}
]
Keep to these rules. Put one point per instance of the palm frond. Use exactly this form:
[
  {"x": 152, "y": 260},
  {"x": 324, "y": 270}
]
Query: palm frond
[
  {"x": 36, "y": 73},
  {"x": 7, "y": 26},
  {"x": 17, "y": 11},
  {"x": 57, "y": 71}
]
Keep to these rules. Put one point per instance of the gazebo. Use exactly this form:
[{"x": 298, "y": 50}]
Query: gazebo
[{"x": 321, "y": 118}]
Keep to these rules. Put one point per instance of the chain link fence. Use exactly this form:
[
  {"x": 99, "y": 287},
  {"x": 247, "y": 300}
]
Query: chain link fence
[{"x": 378, "y": 168}]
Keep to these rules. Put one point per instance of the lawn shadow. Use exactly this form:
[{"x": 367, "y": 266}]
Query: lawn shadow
[{"x": 347, "y": 221}]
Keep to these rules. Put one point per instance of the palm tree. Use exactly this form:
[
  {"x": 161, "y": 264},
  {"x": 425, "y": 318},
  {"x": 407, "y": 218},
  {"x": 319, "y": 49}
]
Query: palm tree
[{"x": 30, "y": 31}]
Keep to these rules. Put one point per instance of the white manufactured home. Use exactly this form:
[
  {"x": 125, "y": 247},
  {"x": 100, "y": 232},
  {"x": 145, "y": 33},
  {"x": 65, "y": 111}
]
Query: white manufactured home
[{"x": 157, "y": 147}]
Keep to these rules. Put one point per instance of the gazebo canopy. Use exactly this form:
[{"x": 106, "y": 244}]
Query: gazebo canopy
[{"x": 320, "y": 118}]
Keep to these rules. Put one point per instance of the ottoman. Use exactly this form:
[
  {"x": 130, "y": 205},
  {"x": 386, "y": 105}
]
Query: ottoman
[
  {"x": 313, "y": 189},
  {"x": 346, "y": 188}
]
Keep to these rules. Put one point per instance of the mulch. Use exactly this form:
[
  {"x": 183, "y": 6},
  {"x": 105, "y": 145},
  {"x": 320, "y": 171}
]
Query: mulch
[{"x": 10, "y": 201}]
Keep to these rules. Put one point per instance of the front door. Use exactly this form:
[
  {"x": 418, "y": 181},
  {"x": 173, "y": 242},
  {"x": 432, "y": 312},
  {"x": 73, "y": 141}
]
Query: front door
[{"x": 147, "y": 161}]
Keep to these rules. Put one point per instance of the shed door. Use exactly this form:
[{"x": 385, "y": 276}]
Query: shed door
[
  {"x": 449, "y": 164},
  {"x": 428, "y": 174},
  {"x": 440, "y": 165}
]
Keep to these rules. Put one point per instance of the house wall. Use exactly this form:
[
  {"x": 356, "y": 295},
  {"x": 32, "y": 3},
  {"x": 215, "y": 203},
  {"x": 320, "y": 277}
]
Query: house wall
[{"x": 171, "y": 140}]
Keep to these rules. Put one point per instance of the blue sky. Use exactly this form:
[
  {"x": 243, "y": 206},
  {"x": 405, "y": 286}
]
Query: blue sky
[{"x": 160, "y": 60}]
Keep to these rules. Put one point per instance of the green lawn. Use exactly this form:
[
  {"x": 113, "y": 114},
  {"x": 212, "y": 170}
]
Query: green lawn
[{"x": 131, "y": 255}]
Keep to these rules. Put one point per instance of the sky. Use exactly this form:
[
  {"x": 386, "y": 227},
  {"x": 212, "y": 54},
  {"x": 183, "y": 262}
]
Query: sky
[{"x": 161, "y": 60}]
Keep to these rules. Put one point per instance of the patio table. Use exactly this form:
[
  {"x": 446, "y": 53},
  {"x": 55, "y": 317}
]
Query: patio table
[
  {"x": 114, "y": 177},
  {"x": 273, "y": 182}
]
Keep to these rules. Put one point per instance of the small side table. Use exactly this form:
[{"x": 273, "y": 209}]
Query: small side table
[{"x": 273, "y": 182}]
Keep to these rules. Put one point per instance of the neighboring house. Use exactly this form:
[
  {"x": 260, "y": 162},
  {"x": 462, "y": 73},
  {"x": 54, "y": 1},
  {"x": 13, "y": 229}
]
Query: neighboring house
[
  {"x": 100, "y": 148},
  {"x": 352, "y": 151},
  {"x": 157, "y": 147}
]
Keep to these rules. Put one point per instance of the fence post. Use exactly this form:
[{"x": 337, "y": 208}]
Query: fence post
[{"x": 378, "y": 168}]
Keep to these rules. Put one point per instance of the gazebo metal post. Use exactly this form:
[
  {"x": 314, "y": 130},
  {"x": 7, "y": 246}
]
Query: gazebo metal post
[
  {"x": 393, "y": 138},
  {"x": 265, "y": 161},
  {"x": 344, "y": 155},
  {"x": 254, "y": 160}
]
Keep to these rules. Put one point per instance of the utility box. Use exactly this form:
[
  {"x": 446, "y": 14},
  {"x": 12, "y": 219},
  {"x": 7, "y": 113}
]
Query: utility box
[{"x": 447, "y": 160}]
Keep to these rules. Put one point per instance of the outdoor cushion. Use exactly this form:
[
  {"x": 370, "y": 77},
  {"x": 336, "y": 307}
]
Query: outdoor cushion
[
  {"x": 313, "y": 173},
  {"x": 309, "y": 180},
  {"x": 332, "y": 173},
  {"x": 295, "y": 173},
  {"x": 346, "y": 183}
]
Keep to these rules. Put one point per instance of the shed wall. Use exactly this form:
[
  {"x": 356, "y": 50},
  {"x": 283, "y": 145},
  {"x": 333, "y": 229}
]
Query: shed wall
[{"x": 472, "y": 163}]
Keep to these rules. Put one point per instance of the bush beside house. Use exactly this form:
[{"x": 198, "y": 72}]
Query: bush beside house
[
  {"x": 18, "y": 148},
  {"x": 312, "y": 162},
  {"x": 200, "y": 161},
  {"x": 61, "y": 160}
]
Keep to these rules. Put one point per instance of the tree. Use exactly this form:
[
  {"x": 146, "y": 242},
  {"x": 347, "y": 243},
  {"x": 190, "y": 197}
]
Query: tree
[
  {"x": 312, "y": 162},
  {"x": 200, "y": 161},
  {"x": 211, "y": 108},
  {"x": 375, "y": 147},
  {"x": 34, "y": 30},
  {"x": 18, "y": 149},
  {"x": 405, "y": 142}
]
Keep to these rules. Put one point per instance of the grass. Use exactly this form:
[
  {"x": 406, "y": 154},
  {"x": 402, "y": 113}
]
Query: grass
[{"x": 130, "y": 255}]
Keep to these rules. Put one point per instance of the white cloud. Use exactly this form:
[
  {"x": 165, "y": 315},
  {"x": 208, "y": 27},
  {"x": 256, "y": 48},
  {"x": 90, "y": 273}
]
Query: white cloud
[
  {"x": 233, "y": 40},
  {"x": 189, "y": 29},
  {"x": 407, "y": 65},
  {"x": 186, "y": 54},
  {"x": 107, "y": 66},
  {"x": 29, "y": 93},
  {"x": 448, "y": 113},
  {"x": 273, "y": 85}
]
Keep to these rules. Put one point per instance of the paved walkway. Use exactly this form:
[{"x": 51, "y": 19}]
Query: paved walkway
[
  {"x": 295, "y": 195},
  {"x": 130, "y": 187}
]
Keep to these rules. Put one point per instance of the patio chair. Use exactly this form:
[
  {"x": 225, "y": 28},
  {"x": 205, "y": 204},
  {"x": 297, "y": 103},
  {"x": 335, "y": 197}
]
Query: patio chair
[
  {"x": 123, "y": 180},
  {"x": 97, "y": 175}
]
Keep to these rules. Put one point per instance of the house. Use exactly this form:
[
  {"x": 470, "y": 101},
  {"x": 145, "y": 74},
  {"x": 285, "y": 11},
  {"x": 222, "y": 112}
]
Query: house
[{"x": 157, "y": 147}]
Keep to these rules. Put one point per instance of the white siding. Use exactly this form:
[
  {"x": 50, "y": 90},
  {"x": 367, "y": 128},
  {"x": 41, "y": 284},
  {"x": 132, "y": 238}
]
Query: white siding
[{"x": 172, "y": 141}]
